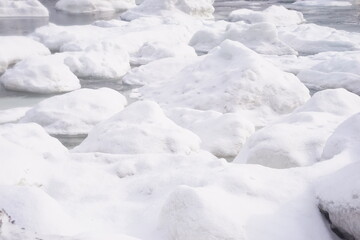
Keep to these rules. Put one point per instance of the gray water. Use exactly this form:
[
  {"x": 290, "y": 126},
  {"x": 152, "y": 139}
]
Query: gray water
[{"x": 343, "y": 18}]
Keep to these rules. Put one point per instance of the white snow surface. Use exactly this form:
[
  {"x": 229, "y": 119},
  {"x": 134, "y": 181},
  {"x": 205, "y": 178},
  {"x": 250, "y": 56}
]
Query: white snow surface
[
  {"x": 40, "y": 74},
  {"x": 336, "y": 70},
  {"x": 129, "y": 132},
  {"x": 195, "y": 8},
  {"x": 22, "y": 8},
  {"x": 232, "y": 78},
  {"x": 76, "y": 112},
  {"x": 311, "y": 38},
  {"x": 221, "y": 134},
  {"x": 299, "y": 139},
  {"x": 277, "y": 15},
  {"x": 261, "y": 37},
  {"x": 91, "y": 6},
  {"x": 16, "y": 48}
]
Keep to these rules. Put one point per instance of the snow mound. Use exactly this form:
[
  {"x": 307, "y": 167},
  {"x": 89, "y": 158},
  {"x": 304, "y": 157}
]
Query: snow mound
[
  {"x": 339, "y": 195},
  {"x": 312, "y": 38},
  {"x": 76, "y": 112},
  {"x": 40, "y": 75},
  {"x": 16, "y": 48},
  {"x": 299, "y": 139},
  {"x": 90, "y": 6},
  {"x": 152, "y": 51},
  {"x": 245, "y": 202},
  {"x": 33, "y": 209},
  {"x": 221, "y": 134},
  {"x": 232, "y": 78},
  {"x": 277, "y": 15},
  {"x": 104, "y": 60},
  {"x": 260, "y": 37},
  {"x": 196, "y": 8},
  {"x": 12, "y": 115},
  {"x": 158, "y": 71},
  {"x": 25, "y": 149},
  {"x": 22, "y": 8},
  {"x": 344, "y": 138},
  {"x": 142, "y": 127},
  {"x": 338, "y": 70}
]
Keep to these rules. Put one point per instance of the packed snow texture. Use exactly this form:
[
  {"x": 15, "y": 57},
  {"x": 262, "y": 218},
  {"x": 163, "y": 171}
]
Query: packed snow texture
[
  {"x": 260, "y": 37},
  {"x": 311, "y": 38},
  {"x": 162, "y": 70},
  {"x": 90, "y": 6},
  {"x": 221, "y": 134},
  {"x": 232, "y": 78},
  {"x": 40, "y": 75},
  {"x": 16, "y": 48},
  {"x": 277, "y": 15},
  {"x": 104, "y": 60},
  {"x": 299, "y": 139},
  {"x": 335, "y": 71},
  {"x": 152, "y": 51},
  {"x": 195, "y": 8},
  {"x": 76, "y": 112},
  {"x": 22, "y": 8},
  {"x": 130, "y": 133}
]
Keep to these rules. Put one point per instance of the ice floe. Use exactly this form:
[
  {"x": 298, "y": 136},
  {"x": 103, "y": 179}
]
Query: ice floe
[
  {"x": 221, "y": 134},
  {"x": 232, "y": 78},
  {"x": 129, "y": 132},
  {"x": 41, "y": 74},
  {"x": 16, "y": 48},
  {"x": 22, "y": 8},
  {"x": 260, "y": 37},
  {"x": 300, "y": 138},
  {"x": 196, "y": 8},
  {"x": 277, "y": 15},
  {"x": 311, "y": 38},
  {"x": 336, "y": 70},
  {"x": 76, "y": 112}
]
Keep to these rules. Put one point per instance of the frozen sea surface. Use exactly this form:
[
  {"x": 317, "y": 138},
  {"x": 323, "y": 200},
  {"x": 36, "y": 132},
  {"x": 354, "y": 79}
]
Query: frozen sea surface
[{"x": 344, "y": 18}]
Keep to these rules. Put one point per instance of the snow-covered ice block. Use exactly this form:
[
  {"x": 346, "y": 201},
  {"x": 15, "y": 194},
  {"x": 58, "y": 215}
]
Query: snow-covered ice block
[
  {"x": 22, "y": 8},
  {"x": 40, "y": 75},
  {"x": 142, "y": 127},
  {"x": 277, "y": 15},
  {"x": 76, "y": 112},
  {"x": 130, "y": 36},
  {"x": 221, "y": 134},
  {"x": 232, "y": 78},
  {"x": 152, "y": 51},
  {"x": 12, "y": 115},
  {"x": 31, "y": 208},
  {"x": 99, "y": 61},
  {"x": 90, "y": 6},
  {"x": 340, "y": 70},
  {"x": 344, "y": 139},
  {"x": 312, "y": 38},
  {"x": 196, "y": 8},
  {"x": 244, "y": 202},
  {"x": 16, "y": 48},
  {"x": 260, "y": 37},
  {"x": 158, "y": 71},
  {"x": 24, "y": 149},
  {"x": 299, "y": 139},
  {"x": 339, "y": 195}
]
